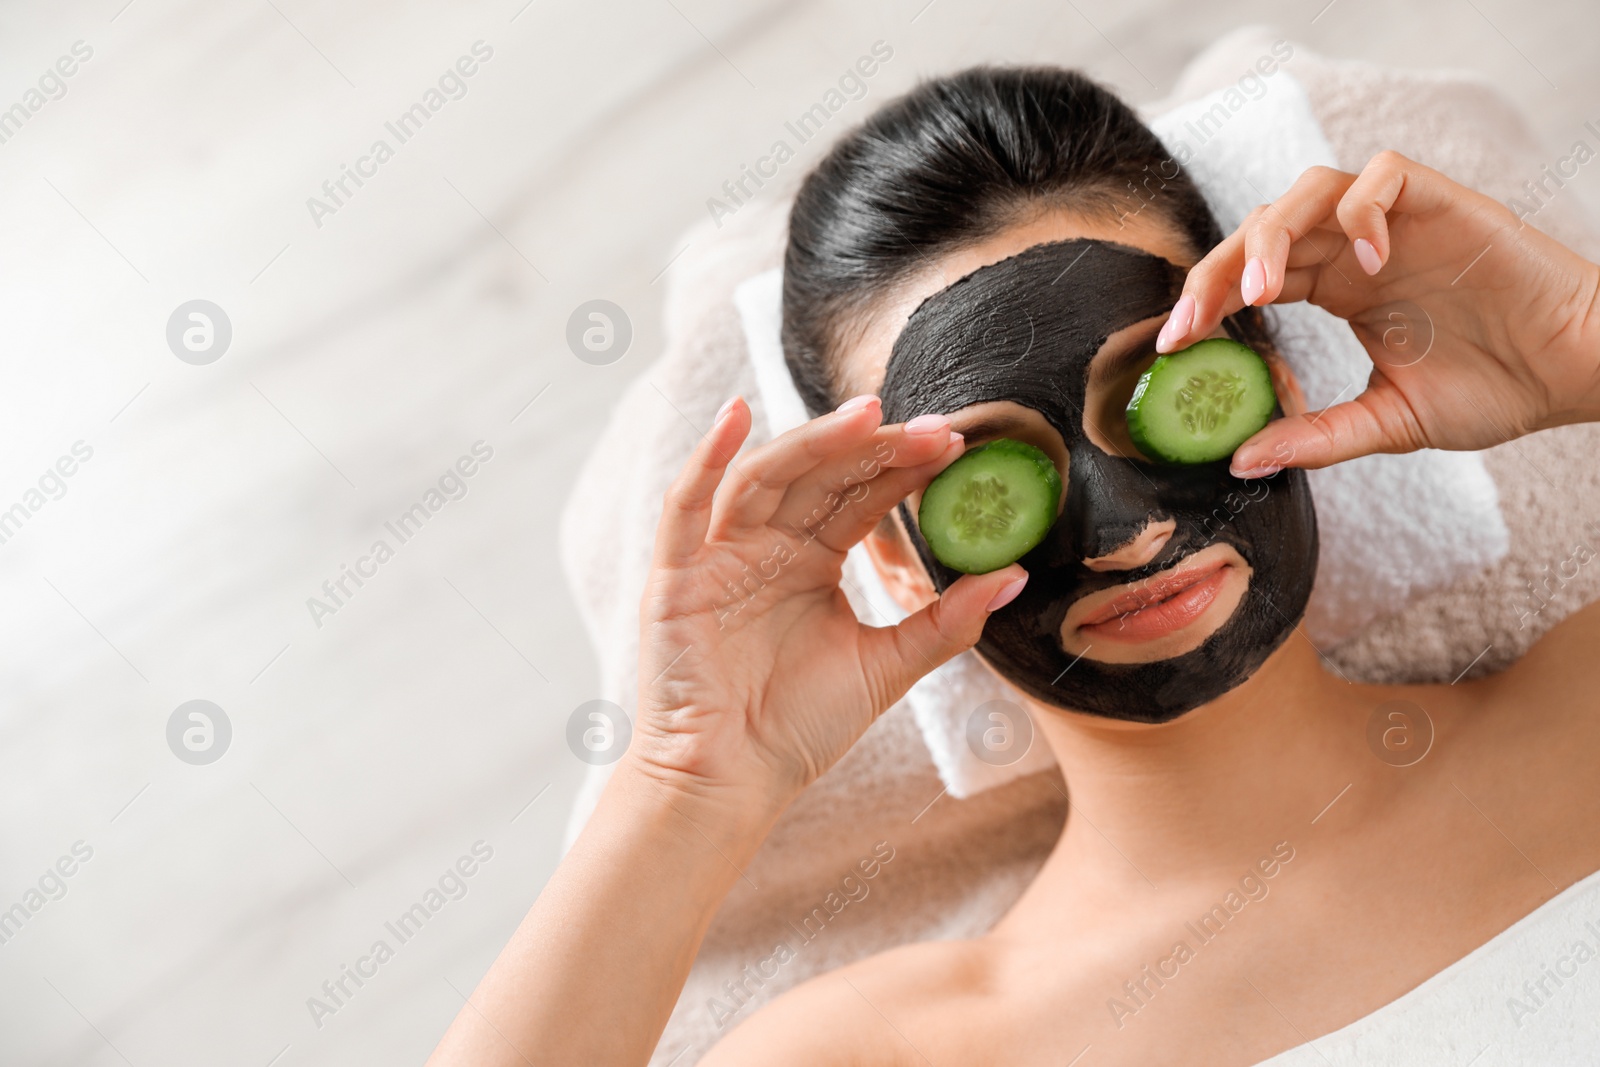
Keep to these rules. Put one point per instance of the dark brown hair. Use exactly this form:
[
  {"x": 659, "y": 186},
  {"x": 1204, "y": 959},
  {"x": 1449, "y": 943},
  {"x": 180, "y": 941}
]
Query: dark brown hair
[{"x": 950, "y": 163}]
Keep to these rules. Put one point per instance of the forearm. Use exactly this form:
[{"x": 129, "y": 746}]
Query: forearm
[{"x": 595, "y": 968}]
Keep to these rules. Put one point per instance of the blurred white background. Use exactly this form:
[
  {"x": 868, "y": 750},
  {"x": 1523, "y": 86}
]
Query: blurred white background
[{"x": 368, "y": 354}]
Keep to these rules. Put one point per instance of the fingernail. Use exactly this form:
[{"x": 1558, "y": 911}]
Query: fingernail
[
  {"x": 1177, "y": 324},
  {"x": 957, "y": 439},
  {"x": 1367, "y": 256},
  {"x": 1254, "y": 281},
  {"x": 1008, "y": 594},
  {"x": 1264, "y": 469},
  {"x": 722, "y": 412},
  {"x": 927, "y": 424},
  {"x": 856, "y": 403}
]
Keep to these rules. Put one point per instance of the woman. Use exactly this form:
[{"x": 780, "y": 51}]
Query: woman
[{"x": 1213, "y": 761}]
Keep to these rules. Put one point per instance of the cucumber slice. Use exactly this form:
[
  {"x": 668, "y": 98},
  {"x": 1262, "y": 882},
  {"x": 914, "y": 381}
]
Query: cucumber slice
[
  {"x": 990, "y": 507},
  {"x": 1199, "y": 404}
]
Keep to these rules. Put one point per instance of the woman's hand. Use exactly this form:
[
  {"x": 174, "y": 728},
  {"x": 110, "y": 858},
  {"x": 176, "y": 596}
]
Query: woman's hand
[
  {"x": 1480, "y": 328},
  {"x": 755, "y": 673},
  {"x": 747, "y": 693}
]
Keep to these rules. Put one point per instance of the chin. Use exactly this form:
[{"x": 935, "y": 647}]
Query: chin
[{"x": 1150, "y": 651}]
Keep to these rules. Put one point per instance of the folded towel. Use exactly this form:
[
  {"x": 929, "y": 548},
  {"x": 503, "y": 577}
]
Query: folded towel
[
  {"x": 959, "y": 864},
  {"x": 1393, "y": 528}
]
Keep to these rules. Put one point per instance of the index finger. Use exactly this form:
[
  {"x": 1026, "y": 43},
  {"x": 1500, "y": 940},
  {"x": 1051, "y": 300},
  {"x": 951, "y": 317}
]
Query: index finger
[
  {"x": 686, "y": 508},
  {"x": 1213, "y": 287}
]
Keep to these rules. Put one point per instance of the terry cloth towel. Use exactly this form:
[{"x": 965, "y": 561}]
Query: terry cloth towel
[
  {"x": 1393, "y": 527},
  {"x": 1531, "y": 994},
  {"x": 959, "y": 864}
]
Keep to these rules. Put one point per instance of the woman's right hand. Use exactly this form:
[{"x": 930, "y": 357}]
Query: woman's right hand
[
  {"x": 755, "y": 674},
  {"x": 746, "y": 695}
]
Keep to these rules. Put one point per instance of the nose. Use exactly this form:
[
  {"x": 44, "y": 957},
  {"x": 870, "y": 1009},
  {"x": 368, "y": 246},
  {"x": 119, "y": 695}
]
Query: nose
[
  {"x": 1121, "y": 516},
  {"x": 1145, "y": 546}
]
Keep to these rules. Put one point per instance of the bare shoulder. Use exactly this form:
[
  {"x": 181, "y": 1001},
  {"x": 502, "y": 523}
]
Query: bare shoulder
[
  {"x": 1540, "y": 715},
  {"x": 1558, "y": 679},
  {"x": 1532, "y": 734},
  {"x": 861, "y": 1015}
]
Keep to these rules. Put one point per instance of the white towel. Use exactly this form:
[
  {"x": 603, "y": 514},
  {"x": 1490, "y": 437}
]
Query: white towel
[
  {"x": 1392, "y": 528},
  {"x": 1530, "y": 995}
]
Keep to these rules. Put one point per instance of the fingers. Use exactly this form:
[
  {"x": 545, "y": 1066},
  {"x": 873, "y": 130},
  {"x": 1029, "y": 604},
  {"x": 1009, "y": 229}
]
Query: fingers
[
  {"x": 1289, "y": 220},
  {"x": 1376, "y": 421},
  {"x": 1309, "y": 441},
  {"x": 686, "y": 510},
  {"x": 765, "y": 475},
  {"x": 1391, "y": 182},
  {"x": 1253, "y": 259},
  {"x": 1299, "y": 283},
  {"x": 895, "y": 657},
  {"x": 841, "y": 514},
  {"x": 1250, "y": 266},
  {"x": 843, "y": 473}
]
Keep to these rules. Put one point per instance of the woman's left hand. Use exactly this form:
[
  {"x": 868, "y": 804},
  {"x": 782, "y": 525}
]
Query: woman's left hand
[{"x": 1480, "y": 328}]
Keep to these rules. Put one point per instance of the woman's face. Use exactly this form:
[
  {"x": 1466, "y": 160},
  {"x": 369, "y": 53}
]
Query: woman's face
[{"x": 1159, "y": 588}]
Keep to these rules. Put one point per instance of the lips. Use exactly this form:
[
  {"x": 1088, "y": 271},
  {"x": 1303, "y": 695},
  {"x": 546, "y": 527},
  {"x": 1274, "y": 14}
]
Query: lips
[{"x": 1160, "y": 604}]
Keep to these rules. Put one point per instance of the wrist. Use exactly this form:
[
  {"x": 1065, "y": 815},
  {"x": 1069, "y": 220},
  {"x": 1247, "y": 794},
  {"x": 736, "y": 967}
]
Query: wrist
[
  {"x": 1569, "y": 365},
  {"x": 1589, "y": 346},
  {"x": 729, "y": 819}
]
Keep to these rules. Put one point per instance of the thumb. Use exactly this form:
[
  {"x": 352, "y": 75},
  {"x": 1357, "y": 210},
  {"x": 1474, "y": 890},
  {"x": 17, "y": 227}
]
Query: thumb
[
  {"x": 1316, "y": 439},
  {"x": 895, "y": 657}
]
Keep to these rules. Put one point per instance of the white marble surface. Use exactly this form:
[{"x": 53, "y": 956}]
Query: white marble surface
[{"x": 368, "y": 354}]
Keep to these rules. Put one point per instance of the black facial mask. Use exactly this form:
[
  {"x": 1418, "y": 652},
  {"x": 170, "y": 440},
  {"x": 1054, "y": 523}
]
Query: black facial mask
[{"x": 1026, "y": 330}]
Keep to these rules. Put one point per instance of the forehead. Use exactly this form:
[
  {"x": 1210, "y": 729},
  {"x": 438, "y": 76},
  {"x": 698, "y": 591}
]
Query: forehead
[{"x": 867, "y": 354}]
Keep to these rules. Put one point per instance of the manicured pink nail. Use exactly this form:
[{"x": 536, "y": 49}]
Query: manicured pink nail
[
  {"x": 1244, "y": 469},
  {"x": 927, "y": 424},
  {"x": 1254, "y": 282},
  {"x": 1177, "y": 325},
  {"x": 957, "y": 439},
  {"x": 1367, "y": 256},
  {"x": 1007, "y": 594},
  {"x": 722, "y": 412},
  {"x": 856, "y": 403}
]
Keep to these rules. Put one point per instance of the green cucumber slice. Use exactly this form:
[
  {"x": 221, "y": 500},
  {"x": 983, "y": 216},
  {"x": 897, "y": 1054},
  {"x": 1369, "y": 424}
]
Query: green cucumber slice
[
  {"x": 1199, "y": 404},
  {"x": 990, "y": 507}
]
